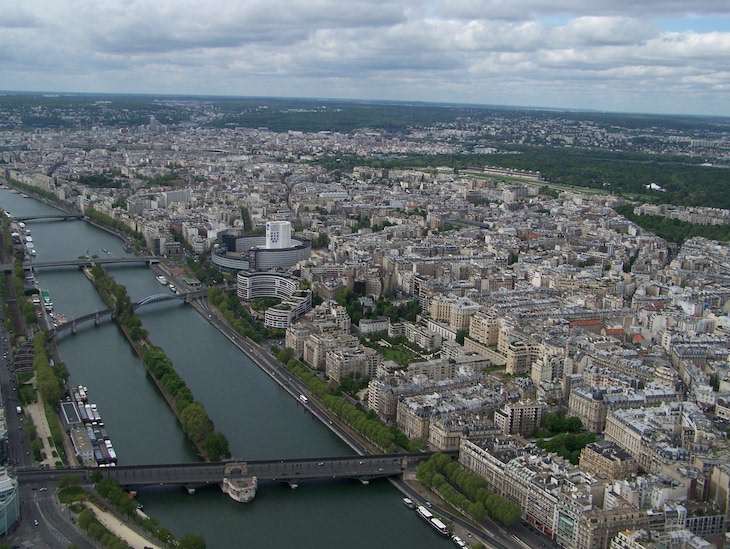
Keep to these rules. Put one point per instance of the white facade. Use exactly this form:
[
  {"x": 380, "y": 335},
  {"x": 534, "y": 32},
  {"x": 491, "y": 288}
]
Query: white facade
[{"x": 278, "y": 235}]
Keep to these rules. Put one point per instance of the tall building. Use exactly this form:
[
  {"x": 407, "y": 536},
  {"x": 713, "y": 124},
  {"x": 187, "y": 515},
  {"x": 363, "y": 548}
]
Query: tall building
[{"x": 278, "y": 235}]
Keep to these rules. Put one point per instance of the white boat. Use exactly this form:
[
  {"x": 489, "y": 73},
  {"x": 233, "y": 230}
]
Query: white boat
[
  {"x": 424, "y": 513},
  {"x": 408, "y": 502},
  {"x": 439, "y": 526},
  {"x": 162, "y": 280}
]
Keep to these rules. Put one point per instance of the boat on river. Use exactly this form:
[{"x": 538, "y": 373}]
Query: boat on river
[
  {"x": 47, "y": 301},
  {"x": 162, "y": 280},
  {"x": 439, "y": 526}
]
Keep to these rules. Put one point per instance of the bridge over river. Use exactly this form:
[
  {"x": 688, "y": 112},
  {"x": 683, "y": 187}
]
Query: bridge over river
[
  {"x": 96, "y": 316},
  {"x": 233, "y": 474},
  {"x": 90, "y": 262},
  {"x": 47, "y": 216}
]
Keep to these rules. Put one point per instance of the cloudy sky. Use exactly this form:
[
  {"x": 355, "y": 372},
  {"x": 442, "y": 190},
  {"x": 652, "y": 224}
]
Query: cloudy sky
[{"x": 615, "y": 55}]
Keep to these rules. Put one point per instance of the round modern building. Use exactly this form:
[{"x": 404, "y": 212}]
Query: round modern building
[
  {"x": 295, "y": 303},
  {"x": 274, "y": 250}
]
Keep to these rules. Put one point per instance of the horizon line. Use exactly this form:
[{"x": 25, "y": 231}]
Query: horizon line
[{"x": 401, "y": 102}]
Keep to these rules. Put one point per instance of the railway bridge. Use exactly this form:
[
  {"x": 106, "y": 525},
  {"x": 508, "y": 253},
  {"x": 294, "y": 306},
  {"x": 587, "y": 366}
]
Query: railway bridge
[{"x": 238, "y": 478}]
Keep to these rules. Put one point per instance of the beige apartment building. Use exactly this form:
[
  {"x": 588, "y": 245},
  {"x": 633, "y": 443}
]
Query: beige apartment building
[
  {"x": 341, "y": 362},
  {"x": 609, "y": 460},
  {"x": 455, "y": 310},
  {"x": 520, "y": 356},
  {"x": 484, "y": 328}
]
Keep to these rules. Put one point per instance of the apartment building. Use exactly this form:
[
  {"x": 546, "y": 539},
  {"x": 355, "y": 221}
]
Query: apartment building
[
  {"x": 592, "y": 404},
  {"x": 425, "y": 338},
  {"x": 521, "y": 418},
  {"x": 445, "y": 432},
  {"x": 484, "y": 328},
  {"x": 647, "y": 435},
  {"x": 343, "y": 361},
  {"x": 520, "y": 356},
  {"x": 296, "y": 335},
  {"x": 609, "y": 460},
  {"x": 316, "y": 346},
  {"x": 457, "y": 311}
]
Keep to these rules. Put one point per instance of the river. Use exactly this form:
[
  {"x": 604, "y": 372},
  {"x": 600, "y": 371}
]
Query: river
[{"x": 259, "y": 418}]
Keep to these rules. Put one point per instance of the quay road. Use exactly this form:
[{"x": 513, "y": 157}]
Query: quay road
[{"x": 198, "y": 473}]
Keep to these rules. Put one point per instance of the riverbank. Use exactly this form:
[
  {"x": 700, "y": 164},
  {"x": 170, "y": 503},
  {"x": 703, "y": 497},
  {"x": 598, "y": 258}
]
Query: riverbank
[
  {"x": 121, "y": 529},
  {"x": 191, "y": 414}
]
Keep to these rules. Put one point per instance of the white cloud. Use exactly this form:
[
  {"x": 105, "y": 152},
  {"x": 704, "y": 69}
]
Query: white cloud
[{"x": 603, "y": 54}]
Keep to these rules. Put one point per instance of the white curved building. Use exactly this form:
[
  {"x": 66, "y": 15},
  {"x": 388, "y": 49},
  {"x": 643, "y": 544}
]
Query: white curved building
[{"x": 294, "y": 304}]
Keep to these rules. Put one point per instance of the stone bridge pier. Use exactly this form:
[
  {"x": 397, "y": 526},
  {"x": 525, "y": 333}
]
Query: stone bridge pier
[{"x": 237, "y": 484}]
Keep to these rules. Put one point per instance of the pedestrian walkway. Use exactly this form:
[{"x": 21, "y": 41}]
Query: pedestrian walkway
[
  {"x": 120, "y": 529},
  {"x": 43, "y": 433}
]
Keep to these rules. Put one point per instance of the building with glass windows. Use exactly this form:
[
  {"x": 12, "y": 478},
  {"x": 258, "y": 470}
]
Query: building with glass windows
[
  {"x": 275, "y": 250},
  {"x": 9, "y": 502}
]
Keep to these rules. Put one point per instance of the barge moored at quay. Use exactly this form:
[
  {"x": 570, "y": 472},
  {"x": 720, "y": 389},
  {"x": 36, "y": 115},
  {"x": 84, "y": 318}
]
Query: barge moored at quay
[{"x": 87, "y": 430}]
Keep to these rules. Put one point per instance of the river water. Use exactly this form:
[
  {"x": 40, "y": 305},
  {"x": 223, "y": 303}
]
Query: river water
[{"x": 260, "y": 420}]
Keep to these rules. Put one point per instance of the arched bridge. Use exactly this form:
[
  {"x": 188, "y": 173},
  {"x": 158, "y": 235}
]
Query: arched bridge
[
  {"x": 290, "y": 471},
  {"x": 57, "y": 216},
  {"x": 157, "y": 298},
  {"x": 96, "y": 316}
]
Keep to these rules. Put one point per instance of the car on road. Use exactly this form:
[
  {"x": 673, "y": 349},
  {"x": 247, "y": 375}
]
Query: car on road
[
  {"x": 35, "y": 522},
  {"x": 320, "y": 464}
]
